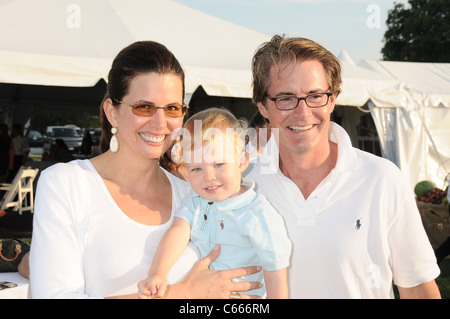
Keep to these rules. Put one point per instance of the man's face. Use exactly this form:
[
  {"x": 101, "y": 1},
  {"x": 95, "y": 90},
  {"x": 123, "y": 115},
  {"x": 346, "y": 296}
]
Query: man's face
[{"x": 302, "y": 129}]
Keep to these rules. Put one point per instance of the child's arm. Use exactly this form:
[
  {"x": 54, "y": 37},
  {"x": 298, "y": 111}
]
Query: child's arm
[
  {"x": 169, "y": 250},
  {"x": 276, "y": 284}
]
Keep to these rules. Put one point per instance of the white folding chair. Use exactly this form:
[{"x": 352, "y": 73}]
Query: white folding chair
[{"x": 19, "y": 193}]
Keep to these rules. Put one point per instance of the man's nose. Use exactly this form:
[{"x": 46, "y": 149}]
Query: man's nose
[{"x": 302, "y": 108}]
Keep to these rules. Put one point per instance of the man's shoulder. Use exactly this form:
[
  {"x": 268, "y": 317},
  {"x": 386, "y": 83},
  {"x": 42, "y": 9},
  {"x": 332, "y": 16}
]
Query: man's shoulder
[{"x": 372, "y": 161}]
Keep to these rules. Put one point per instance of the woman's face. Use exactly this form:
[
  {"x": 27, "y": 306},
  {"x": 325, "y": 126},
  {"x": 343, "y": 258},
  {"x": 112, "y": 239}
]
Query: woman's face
[{"x": 148, "y": 136}]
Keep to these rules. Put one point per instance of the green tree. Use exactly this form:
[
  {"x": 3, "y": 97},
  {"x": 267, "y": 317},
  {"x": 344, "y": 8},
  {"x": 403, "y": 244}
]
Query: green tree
[{"x": 418, "y": 33}]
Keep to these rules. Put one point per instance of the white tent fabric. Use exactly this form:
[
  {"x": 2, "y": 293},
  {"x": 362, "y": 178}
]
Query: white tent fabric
[
  {"x": 360, "y": 85},
  {"x": 410, "y": 106},
  {"x": 429, "y": 82},
  {"x": 415, "y": 130},
  {"x": 345, "y": 57},
  {"x": 62, "y": 42},
  {"x": 54, "y": 70}
]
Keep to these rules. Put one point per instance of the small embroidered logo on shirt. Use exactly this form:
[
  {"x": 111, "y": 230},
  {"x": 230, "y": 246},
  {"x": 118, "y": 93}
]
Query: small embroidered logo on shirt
[
  {"x": 221, "y": 224},
  {"x": 205, "y": 216},
  {"x": 358, "y": 224}
]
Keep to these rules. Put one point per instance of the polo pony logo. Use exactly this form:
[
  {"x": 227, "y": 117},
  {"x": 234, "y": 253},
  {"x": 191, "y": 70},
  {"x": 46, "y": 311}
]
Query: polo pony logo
[{"x": 358, "y": 224}]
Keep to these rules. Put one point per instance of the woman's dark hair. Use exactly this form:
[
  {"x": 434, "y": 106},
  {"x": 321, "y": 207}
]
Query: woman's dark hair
[{"x": 138, "y": 58}]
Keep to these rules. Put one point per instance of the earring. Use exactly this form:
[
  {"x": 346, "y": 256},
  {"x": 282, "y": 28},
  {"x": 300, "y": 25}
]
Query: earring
[{"x": 114, "y": 142}]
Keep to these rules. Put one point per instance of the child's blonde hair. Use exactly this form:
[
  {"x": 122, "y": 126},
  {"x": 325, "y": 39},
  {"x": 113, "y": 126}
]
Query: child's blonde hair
[{"x": 214, "y": 121}]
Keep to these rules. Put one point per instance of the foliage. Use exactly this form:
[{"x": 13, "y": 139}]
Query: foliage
[
  {"x": 418, "y": 33},
  {"x": 443, "y": 281}
]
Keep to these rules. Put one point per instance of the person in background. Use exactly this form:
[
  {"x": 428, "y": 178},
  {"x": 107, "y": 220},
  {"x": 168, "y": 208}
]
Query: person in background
[
  {"x": 5, "y": 147},
  {"x": 60, "y": 152},
  {"x": 97, "y": 222},
  {"x": 351, "y": 216},
  {"x": 86, "y": 143},
  {"x": 21, "y": 150}
]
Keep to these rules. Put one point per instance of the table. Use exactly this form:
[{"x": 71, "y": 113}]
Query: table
[
  {"x": 436, "y": 221},
  {"x": 19, "y": 292}
]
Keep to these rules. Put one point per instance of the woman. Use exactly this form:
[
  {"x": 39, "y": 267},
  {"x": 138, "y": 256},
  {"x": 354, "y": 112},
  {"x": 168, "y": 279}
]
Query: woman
[{"x": 98, "y": 222}]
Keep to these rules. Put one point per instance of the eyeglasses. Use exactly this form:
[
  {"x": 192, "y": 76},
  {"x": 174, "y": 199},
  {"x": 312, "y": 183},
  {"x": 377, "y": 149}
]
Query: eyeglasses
[
  {"x": 290, "y": 102},
  {"x": 149, "y": 109}
]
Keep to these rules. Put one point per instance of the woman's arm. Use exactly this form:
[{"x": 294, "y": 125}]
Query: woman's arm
[
  {"x": 56, "y": 267},
  {"x": 276, "y": 284},
  {"x": 202, "y": 283}
]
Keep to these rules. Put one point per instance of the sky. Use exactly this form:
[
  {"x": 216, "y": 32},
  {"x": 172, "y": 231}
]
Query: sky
[{"x": 356, "y": 26}]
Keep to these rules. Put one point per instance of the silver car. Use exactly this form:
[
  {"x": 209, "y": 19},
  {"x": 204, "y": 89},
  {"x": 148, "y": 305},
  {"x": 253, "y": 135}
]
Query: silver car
[{"x": 68, "y": 134}]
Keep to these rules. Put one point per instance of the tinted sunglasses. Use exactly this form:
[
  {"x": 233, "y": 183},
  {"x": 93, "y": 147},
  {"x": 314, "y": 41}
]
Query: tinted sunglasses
[{"x": 149, "y": 109}]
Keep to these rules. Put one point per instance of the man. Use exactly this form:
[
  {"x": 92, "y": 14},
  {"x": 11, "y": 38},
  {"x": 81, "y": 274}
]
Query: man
[{"x": 351, "y": 216}]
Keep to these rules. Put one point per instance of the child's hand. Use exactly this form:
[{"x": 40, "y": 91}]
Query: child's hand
[
  {"x": 152, "y": 287},
  {"x": 156, "y": 286},
  {"x": 143, "y": 291}
]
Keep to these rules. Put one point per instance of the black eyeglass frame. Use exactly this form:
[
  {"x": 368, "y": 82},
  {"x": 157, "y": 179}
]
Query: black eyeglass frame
[
  {"x": 274, "y": 99},
  {"x": 184, "y": 108}
]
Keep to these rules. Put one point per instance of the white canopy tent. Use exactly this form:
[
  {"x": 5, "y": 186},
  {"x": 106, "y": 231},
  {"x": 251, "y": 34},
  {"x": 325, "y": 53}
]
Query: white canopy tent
[
  {"x": 66, "y": 43},
  {"x": 418, "y": 130},
  {"x": 410, "y": 106}
]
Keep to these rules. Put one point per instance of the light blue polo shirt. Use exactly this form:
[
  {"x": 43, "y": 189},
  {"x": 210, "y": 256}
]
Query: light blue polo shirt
[{"x": 248, "y": 229}]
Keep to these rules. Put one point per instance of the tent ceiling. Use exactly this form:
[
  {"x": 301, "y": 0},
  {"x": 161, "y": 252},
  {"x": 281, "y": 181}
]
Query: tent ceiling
[{"x": 72, "y": 95}]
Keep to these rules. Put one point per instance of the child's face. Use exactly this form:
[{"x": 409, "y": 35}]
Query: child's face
[{"x": 216, "y": 180}]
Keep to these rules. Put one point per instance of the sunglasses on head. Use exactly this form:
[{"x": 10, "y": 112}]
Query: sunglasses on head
[{"x": 149, "y": 109}]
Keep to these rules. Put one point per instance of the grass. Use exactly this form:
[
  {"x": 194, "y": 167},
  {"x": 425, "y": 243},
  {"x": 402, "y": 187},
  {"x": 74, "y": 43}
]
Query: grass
[
  {"x": 35, "y": 157},
  {"x": 443, "y": 281},
  {"x": 27, "y": 240}
]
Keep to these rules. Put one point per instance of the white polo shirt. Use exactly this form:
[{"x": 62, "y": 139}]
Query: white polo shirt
[{"x": 358, "y": 231}]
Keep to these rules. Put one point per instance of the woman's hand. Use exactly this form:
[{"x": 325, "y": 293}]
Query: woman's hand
[{"x": 203, "y": 283}]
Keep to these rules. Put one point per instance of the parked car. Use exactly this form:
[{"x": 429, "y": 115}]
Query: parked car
[
  {"x": 95, "y": 135},
  {"x": 68, "y": 134},
  {"x": 35, "y": 139},
  {"x": 78, "y": 129}
]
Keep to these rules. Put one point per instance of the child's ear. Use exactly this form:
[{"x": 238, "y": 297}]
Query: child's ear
[{"x": 243, "y": 164}]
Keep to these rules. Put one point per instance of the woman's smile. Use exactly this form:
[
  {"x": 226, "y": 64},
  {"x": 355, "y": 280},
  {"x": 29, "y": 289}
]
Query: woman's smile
[{"x": 152, "y": 138}]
